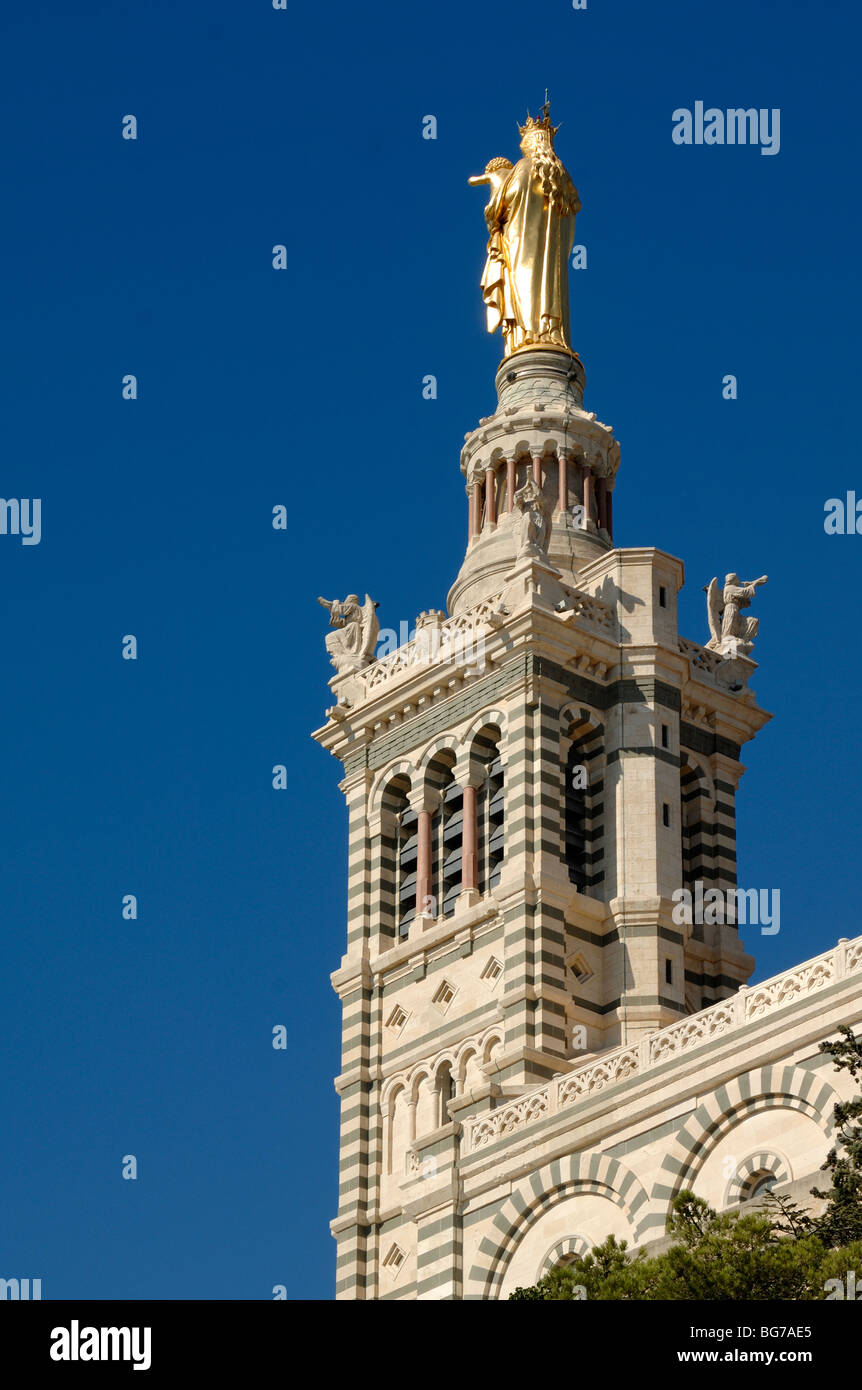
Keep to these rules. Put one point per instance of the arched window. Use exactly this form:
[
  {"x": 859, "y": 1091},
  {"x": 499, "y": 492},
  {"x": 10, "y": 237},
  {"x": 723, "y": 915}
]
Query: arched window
[
  {"x": 577, "y": 815},
  {"x": 757, "y": 1186},
  {"x": 450, "y": 856},
  {"x": 447, "y": 829},
  {"x": 445, "y": 1091},
  {"x": 756, "y": 1175},
  {"x": 583, "y": 805},
  {"x": 563, "y": 1254},
  {"x": 398, "y": 860},
  {"x": 695, "y": 831},
  {"x": 408, "y": 848},
  {"x": 490, "y": 805},
  {"x": 397, "y": 1131}
]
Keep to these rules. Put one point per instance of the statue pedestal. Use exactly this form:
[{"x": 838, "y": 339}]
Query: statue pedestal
[
  {"x": 534, "y": 583},
  {"x": 542, "y": 377}
]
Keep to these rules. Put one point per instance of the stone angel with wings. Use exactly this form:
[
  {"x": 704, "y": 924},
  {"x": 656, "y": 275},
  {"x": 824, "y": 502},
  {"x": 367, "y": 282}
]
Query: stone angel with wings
[
  {"x": 730, "y": 633},
  {"x": 351, "y": 645}
]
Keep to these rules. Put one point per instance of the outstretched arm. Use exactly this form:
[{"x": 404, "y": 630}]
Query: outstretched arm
[{"x": 749, "y": 588}]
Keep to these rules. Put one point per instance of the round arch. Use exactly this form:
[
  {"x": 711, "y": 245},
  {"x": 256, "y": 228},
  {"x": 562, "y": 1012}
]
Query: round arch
[
  {"x": 768, "y": 1088},
  {"x": 536, "y": 1194}
]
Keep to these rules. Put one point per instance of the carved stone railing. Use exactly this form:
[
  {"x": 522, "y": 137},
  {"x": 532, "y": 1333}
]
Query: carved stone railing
[
  {"x": 700, "y": 657},
  {"x": 592, "y": 610},
  {"x": 454, "y": 639},
  {"x": 746, "y": 1006},
  {"x": 462, "y": 640}
]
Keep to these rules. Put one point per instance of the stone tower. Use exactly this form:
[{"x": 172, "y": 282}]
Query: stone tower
[{"x": 529, "y": 781}]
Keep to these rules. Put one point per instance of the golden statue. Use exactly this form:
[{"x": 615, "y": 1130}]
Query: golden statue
[{"x": 531, "y": 220}]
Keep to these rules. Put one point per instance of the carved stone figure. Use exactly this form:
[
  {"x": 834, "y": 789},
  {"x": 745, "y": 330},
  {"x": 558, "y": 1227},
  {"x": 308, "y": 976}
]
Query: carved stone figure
[
  {"x": 535, "y": 520},
  {"x": 352, "y": 644},
  {"x": 531, "y": 221},
  {"x": 731, "y": 634}
]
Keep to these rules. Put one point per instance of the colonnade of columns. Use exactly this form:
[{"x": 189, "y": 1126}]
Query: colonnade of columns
[{"x": 594, "y": 489}]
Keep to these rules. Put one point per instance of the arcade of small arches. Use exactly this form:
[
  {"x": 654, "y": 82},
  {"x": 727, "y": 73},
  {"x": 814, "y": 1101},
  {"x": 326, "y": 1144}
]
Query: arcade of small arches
[
  {"x": 568, "y": 475},
  {"x": 442, "y": 820},
  {"x": 442, "y": 830},
  {"x": 415, "y": 1102}
]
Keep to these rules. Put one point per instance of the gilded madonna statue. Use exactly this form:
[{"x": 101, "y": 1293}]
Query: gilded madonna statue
[{"x": 531, "y": 224}]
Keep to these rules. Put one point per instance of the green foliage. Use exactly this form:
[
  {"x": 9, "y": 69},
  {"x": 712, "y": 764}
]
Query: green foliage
[
  {"x": 788, "y": 1218},
  {"x": 842, "y": 1220},
  {"x": 778, "y": 1252},
  {"x": 714, "y": 1257}
]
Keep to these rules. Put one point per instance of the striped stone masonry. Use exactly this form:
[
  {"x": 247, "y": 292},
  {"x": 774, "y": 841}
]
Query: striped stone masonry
[
  {"x": 529, "y": 782},
  {"x": 747, "y": 1004}
]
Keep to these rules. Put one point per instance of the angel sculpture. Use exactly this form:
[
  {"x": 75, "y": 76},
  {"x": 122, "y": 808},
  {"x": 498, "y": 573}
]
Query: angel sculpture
[
  {"x": 352, "y": 643},
  {"x": 730, "y": 633},
  {"x": 535, "y": 511}
]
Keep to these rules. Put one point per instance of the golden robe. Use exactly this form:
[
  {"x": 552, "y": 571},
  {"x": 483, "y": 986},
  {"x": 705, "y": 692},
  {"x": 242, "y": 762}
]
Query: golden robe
[{"x": 525, "y": 283}]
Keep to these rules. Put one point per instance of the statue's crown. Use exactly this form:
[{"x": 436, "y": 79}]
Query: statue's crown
[{"x": 543, "y": 123}]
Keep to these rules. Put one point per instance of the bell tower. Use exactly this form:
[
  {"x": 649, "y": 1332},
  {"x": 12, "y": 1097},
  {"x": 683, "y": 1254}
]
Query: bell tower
[{"x": 529, "y": 781}]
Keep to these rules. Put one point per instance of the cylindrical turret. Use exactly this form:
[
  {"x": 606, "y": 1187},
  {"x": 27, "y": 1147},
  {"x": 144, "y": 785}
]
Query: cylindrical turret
[{"x": 541, "y": 428}]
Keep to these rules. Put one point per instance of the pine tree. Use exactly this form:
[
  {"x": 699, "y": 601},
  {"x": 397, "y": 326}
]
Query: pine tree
[
  {"x": 841, "y": 1222},
  {"x": 787, "y": 1217}
]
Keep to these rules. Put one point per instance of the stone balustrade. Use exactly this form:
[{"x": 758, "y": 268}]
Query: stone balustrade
[
  {"x": 749, "y": 1004},
  {"x": 701, "y": 658},
  {"x": 462, "y": 639}
]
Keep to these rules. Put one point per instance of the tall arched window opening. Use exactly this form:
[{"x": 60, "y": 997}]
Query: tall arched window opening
[
  {"x": 397, "y": 886},
  {"x": 583, "y": 806},
  {"x": 447, "y": 833},
  {"x": 490, "y": 810},
  {"x": 695, "y": 831}
]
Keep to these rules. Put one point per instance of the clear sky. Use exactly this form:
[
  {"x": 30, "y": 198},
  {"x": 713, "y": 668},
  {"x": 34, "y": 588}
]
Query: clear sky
[{"x": 257, "y": 387}]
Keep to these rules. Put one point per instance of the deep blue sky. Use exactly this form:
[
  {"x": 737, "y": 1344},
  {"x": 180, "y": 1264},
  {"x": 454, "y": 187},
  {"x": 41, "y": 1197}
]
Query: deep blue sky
[{"x": 303, "y": 387}]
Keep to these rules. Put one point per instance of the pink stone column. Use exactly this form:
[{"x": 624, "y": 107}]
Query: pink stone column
[
  {"x": 601, "y": 493},
  {"x": 471, "y": 514},
  {"x": 588, "y": 493},
  {"x": 423, "y": 859},
  {"x": 469, "y": 852},
  {"x": 562, "y": 466},
  {"x": 537, "y": 468},
  {"x": 510, "y": 484},
  {"x": 491, "y": 494},
  {"x": 609, "y": 512},
  {"x": 477, "y": 508}
]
